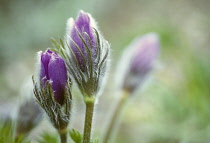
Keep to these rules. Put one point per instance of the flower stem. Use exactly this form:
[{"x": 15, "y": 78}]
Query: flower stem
[
  {"x": 63, "y": 135},
  {"x": 88, "y": 121},
  {"x": 115, "y": 117}
]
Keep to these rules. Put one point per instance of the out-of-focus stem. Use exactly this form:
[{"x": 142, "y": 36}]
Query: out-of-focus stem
[
  {"x": 115, "y": 117},
  {"x": 63, "y": 135},
  {"x": 88, "y": 121}
]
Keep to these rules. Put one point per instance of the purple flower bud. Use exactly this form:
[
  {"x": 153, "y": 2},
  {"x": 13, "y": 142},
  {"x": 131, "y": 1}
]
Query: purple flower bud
[
  {"x": 29, "y": 116},
  {"x": 82, "y": 26},
  {"x": 89, "y": 52},
  {"x": 53, "y": 69},
  {"x": 144, "y": 51}
]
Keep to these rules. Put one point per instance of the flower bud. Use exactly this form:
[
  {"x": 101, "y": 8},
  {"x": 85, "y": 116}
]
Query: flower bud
[
  {"x": 143, "y": 52},
  {"x": 89, "y": 52},
  {"x": 53, "y": 89},
  {"x": 53, "y": 69},
  {"x": 29, "y": 116},
  {"x": 82, "y": 27}
]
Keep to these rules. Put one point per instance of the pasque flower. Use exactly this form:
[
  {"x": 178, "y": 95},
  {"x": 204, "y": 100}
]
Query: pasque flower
[
  {"x": 88, "y": 53},
  {"x": 29, "y": 116},
  {"x": 83, "y": 36},
  {"x": 53, "y": 69},
  {"x": 135, "y": 64},
  {"x": 144, "y": 51},
  {"x": 53, "y": 89}
]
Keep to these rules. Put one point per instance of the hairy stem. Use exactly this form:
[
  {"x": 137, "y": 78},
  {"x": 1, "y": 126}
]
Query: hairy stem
[
  {"x": 115, "y": 118},
  {"x": 88, "y": 121},
  {"x": 63, "y": 135}
]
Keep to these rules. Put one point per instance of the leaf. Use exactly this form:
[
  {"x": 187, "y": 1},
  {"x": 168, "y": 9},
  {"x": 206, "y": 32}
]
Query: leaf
[
  {"x": 6, "y": 132},
  {"x": 76, "y": 136},
  {"x": 48, "y": 138},
  {"x": 20, "y": 139}
]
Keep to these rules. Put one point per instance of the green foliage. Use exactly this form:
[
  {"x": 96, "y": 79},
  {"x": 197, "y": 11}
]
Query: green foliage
[
  {"x": 7, "y": 134},
  {"x": 76, "y": 136},
  {"x": 48, "y": 138}
]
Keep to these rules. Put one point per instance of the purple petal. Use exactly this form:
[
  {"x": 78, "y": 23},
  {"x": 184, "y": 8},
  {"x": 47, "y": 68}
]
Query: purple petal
[
  {"x": 53, "y": 68},
  {"x": 83, "y": 24},
  {"x": 146, "y": 52},
  {"x": 45, "y": 58},
  {"x": 58, "y": 75}
]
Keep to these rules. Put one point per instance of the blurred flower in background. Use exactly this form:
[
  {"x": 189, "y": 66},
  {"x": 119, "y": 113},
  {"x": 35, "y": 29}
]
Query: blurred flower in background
[
  {"x": 142, "y": 54},
  {"x": 174, "y": 107},
  {"x": 28, "y": 117}
]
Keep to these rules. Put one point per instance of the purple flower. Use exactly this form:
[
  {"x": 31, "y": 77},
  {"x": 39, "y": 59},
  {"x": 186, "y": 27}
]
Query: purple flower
[
  {"x": 144, "y": 51},
  {"x": 89, "y": 52},
  {"x": 53, "y": 69},
  {"x": 81, "y": 35},
  {"x": 29, "y": 116}
]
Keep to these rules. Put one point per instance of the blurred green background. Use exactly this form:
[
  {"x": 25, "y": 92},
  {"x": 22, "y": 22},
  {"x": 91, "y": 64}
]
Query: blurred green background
[{"x": 173, "y": 106}]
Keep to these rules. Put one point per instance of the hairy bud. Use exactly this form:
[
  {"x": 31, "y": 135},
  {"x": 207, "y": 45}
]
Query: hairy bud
[
  {"x": 143, "y": 52},
  {"x": 88, "y": 54},
  {"x": 53, "y": 89}
]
